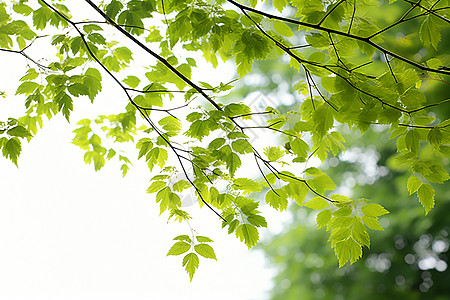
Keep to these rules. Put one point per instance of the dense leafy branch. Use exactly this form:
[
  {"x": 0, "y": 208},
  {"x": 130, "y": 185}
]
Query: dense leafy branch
[
  {"x": 348, "y": 78},
  {"x": 344, "y": 34},
  {"x": 184, "y": 78}
]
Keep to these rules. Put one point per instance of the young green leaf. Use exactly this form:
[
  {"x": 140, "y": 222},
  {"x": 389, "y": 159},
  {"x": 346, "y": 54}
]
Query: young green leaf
[
  {"x": 426, "y": 197},
  {"x": 323, "y": 217},
  {"x": 372, "y": 223},
  {"x": 316, "y": 203},
  {"x": 179, "y": 248},
  {"x": 183, "y": 237},
  {"x": 348, "y": 250},
  {"x": 156, "y": 186},
  {"x": 190, "y": 263},
  {"x": 242, "y": 146},
  {"x": 277, "y": 199},
  {"x": 248, "y": 233},
  {"x": 203, "y": 239},
  {"x": 413, "y": 184},
  {"x": 205, "y": 250},
  {"x": 11, "y": 149},
  {"x": 373, "y": 210}
]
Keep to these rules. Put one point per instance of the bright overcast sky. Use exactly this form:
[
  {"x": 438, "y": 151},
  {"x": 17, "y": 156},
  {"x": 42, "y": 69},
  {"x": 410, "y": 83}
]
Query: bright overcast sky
[{"x": 68, "y": 232}]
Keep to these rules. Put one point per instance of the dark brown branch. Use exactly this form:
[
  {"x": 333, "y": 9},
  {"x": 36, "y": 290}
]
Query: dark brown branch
[
  {"x": 330, "y": 30},
  {"x": 432, "y": 12},
  {"x": 300, "y": 46},
  {"x": 264, "y": 176},
  {"x": 330, "y": 11},
  {"x": 154, "y": 54},
  {"x": 251, "y": 114},
  {"x": 353, "y": 17},
  {"x": 390, "y": 69},
  {"x": 22, "y": 52},
  {"x": 142, "y": 112},
  {"x": 401, "y": 20}
]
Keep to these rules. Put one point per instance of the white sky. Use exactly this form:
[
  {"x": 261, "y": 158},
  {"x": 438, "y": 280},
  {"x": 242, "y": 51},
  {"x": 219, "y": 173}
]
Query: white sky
[{"x": 68, "y": 232}]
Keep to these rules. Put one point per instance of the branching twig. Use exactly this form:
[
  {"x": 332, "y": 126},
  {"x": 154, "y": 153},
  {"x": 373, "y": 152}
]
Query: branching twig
[{"x": 341, "y": 33}]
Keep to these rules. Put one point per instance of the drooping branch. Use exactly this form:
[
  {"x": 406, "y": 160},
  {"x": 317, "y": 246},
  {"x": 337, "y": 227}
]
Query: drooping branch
[
  {"x": 22, "y": 52},
  {"x": 154, "y": 54},
  {"x": 304, "y": 62},
  {"x": 141, "y": 111}
]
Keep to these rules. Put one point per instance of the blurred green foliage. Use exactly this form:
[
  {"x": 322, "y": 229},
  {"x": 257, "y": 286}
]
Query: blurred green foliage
[{"x": 409, "y": 260}]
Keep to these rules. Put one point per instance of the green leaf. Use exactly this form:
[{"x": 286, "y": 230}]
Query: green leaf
[
  {"x": 181, "y": 185},
  {"x": 216, "y": 143},
  {"x": 113, "y": 8},
  {"x": 323, "y": 119},
  {"x": 242, "y": 146},
  {"x": 343, "y": 211},
  {"x": 359, "y": 232},
  {"x": 203, "y": 239},
  {"x": 248, "y": 233},
  {"x": 93, "y": 80},
  {"x": 236, "y": 134},
  {"x": 111, "y": 154},
  {"x": 372, "y": 223},
  {"x": 41, "y": 17},
  {"x": 22, "y": 8},
  {"x": 205, "y": 250},
  {"x": 321, "y": 183},
  {"x": 123, "y": 54},
  {"x": 235, "y": 109},
  {"x": 323, "y": 217},
  {"x": 145, "y": 145},
  {"x": 179, "y": 248},
  {"x": 183, "y": 237},
  {"x": 232, "y": 226},
  {"x": 233, "y": 163},
  {"x": 156, "y": 186},
  {"x": 11, "y": 149},
  {"x": 300, "y": 148},
  {"x": 257, "y": 220},
  {"x": 124, "y": 168},
  {"x": 282, "y": 28},
  {"x": 435, "y": 137},
  {"x": 373, "y": 210},
  {"x": 199, "y": 129},
  {"x": 317, "y": 40},
  {"x": 316, "y": 203},
  {"x": 348, "y": 250},
  {"x": 171, "y": 124},
  {"x": 156, "y": 156},
  {"x": 338, "y": 222},
  {"x": 92, "y": 27},
  {"x": 27, "y": 88},
  {"x": 247, "y": 185},
  {"x": 297, "y": 191},
  {"x": 273, "y": 153},
  {"x": 19, "y": 131},
  {"x": 190, "y": 263},
  {"x": 413, "y": 184},
  {"x": 412, "y": 140},
  {"x": 277, "y": 199},
  {"x": 429, "y": 32},
  {"x": 132, "y": 81},
  {"x": 426, "y": 197},
  {"x": 279, "y": 4}
]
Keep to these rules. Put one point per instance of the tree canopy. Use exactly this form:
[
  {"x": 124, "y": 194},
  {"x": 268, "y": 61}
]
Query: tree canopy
[{"x": 352, "y": 73}]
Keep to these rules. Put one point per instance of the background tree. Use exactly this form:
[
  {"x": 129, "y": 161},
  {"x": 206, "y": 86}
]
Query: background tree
[
  {"x": 408, "y": 260},
  {"x": 350, "y": 75}
]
